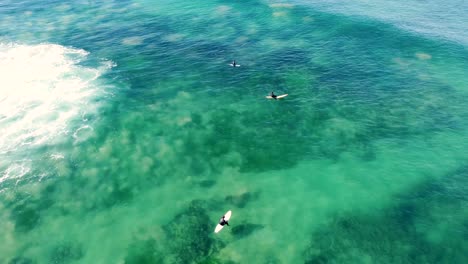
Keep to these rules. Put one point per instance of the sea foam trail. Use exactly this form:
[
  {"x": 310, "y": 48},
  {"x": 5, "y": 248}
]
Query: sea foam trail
[{"x": 45, "y": 97}]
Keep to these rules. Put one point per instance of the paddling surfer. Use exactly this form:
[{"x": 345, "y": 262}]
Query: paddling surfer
[{"x": 234, "y": 64}]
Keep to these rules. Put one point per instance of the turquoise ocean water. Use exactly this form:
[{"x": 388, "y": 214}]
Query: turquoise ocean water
[{"x": 125, "y": 135}]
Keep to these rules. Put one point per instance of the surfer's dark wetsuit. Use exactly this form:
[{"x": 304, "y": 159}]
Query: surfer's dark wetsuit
[
  {"x": 223, "y": 222},
  {"x": 273, "y": 95},
  {"x": 234, "y": 63}
]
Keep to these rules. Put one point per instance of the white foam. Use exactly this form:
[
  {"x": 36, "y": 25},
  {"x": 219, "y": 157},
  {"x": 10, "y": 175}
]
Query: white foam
[
  {"x": 15, "y": 170},
  {"x": 44, "y": 93},
  {"x": 56, "y": 156},
  {"x": 82, "y": 133}
]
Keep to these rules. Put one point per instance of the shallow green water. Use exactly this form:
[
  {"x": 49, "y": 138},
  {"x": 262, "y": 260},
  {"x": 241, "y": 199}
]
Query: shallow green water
[{"x": 364, "y": 162}]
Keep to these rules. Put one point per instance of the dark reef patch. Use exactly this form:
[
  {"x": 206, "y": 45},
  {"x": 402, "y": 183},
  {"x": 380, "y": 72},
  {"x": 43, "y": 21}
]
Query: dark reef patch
[
  {"x": 244, "y": 230},
  {"x": 66, "y": 253},
  {"x": 241, "y": 200},
  {"x": 206, "y": 183},
  {"x": 21, "y": 260},
  {"x": 25, "y": 217},
  {"x": 189, "y": 235},
  {"x": 143, "y": 252},
  {"x": 410, "y": 232}
]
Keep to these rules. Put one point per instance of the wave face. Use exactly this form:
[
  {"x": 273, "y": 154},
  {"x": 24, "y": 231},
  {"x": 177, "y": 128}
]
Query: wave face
[{"x": 46, "y": 96}]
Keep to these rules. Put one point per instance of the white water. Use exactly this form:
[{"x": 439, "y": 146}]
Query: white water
[{"x": 45, "y": 97}]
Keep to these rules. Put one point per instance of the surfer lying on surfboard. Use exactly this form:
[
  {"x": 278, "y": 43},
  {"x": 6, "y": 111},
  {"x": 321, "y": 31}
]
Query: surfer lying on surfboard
[
  {"x": 276, "y": 97},
  {"x": 273, "y": 95},
  {"x": 223, "y": 221}
]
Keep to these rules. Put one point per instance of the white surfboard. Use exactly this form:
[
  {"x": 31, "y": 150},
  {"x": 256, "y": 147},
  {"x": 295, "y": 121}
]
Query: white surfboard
[
  {"x": 232, "y": 65},
  {"x": 277, "y": 97},
  {"x": 227, "y": 215}
]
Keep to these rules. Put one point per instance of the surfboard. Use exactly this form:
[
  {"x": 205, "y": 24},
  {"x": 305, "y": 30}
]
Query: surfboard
[
  {"x": 227, "y": 216},
  {"x": 232, "y": 65},
  {"x": 277, "y": 97}
]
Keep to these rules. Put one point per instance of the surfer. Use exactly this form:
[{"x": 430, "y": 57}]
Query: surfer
[
  {"x": 234, "y": 63},
  {"x": 273, "y": 95},
  {"x": 223, "y": 221}
]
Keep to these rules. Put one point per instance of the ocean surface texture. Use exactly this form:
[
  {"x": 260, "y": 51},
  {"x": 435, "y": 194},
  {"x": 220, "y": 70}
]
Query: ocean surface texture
[{"x": 125, "y": 135}]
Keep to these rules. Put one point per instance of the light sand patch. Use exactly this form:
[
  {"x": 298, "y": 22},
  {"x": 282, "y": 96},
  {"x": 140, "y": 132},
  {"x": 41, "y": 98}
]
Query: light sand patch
[
  {"x": 241, "y": 39},
  {"x": 62, "y": 169},
  {"x": 184, "y": 120},
  {"x": 401, "y": 62},
  {"x": 106, "y": 150},
  {"x": 50, "y": 28},
  {"x": 101, "y": 17},
  {"x": 62, "y": 8},
  {"x": 343, "y": 127},
  {"x": 424, "y": 77},
  {"x": 222, "y": 9},
  {"x": 28, "y": 13},
  {"x": 165, "y": 150},
  {"x": 91, "y": 172},
  {"x": 174, "y": 37},
  {"x": 252, "y": 29},
  {"x": 7, "y": 20},
  {"x": 68, "y": 19},
  {"x": 132, "y": 41},
  {"x": 273, "y": 43},
  {"x": 281, "y": 5},
  {"x": 423, "y": 56},
  {"x": 181, "y": 96},
  {"x": 307, "y": 19},
  {"x": 8, "y": 229},
  {"x": 155, "y": 107},
  {"x": 146, "y": 164},
  {"x": 279, "y": 14}
]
